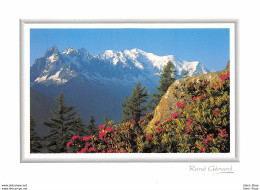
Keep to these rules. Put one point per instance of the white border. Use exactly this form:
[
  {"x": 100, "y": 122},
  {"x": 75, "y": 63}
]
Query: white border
[{"x": 25, "y": 155}]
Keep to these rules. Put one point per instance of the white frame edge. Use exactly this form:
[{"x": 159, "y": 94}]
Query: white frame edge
[{"x": 26, "y": 157}]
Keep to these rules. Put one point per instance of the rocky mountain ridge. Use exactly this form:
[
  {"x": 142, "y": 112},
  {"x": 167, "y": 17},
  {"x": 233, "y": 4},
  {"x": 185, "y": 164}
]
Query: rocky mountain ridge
[{"x": 118, "y": 67}]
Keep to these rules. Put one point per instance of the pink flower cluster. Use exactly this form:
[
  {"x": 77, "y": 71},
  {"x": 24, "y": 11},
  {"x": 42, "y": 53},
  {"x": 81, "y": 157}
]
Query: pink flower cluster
[
  {"x": 158, "y": 130},
  {"x": 180, "y": 104},
  {"x": 203, "y": 149},
  {"x": 209, "y": 138},
  {"x": 68, "y": 144},
  {"x": 102, "y": 135},
  {"x": 133, "y": 122},
  {"x": 101, "y": 127},
  {"x": 86, "y": 138},
  {"x": 175, "y": 115},
  {"x": 225, "y": 77},
  {"x": 110, "y": 129},
  {"x": 149, "y": 137},
  {"x": 188, "y": 126},
  {"x": 207, "y": 83},
  {"x": 223, "y": 133},
  {"x": 75, "y": 137},
  {"x": 203, "y": 96}
]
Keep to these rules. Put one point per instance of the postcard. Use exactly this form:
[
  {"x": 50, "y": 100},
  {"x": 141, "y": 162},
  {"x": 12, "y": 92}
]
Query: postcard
[{"x": 128, "y": 92}]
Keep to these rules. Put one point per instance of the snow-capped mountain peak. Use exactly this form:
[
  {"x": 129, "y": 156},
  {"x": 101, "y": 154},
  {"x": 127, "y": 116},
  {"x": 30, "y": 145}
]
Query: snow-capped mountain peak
[
  {"x": 128, "y": 66},
  {"x": 68, "y": 51}
]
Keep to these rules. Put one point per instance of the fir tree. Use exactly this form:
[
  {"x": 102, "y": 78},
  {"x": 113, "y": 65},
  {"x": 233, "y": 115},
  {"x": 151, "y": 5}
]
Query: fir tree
[
  {"x": 186, "y": 74},
  {"x": 167, "y": 77},
  {"x": 135, "y": 106},
  {"x": 61, "y": 126},
  {"x": 106, "y": 119},
  {"x": 78, "y": 127},
  {"x": 91, "y": 128},
  {"x": 35, "y": 144}
]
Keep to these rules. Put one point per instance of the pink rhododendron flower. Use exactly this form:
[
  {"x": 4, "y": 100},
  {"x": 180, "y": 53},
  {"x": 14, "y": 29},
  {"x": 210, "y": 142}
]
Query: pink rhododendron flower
[
  {"x": 189, "y": 122},
  {"x": 228, "y": 74},
  {"x": 157, "y": 122},
  {"x": 223, "y": 133},
  {"x": 158, "y": 130},
  {"x": 175, "y": 115},
  {"x": 83, "y": 150},
  {"x": 75, "y": 137},
  {"x": 180, "y": 105},
  {"x": 92, "y": 149},
  {"x": 123, "y": 150},
  {"x": 187, "y": 130},
  {"x": 86, "y": 138},
  {"x": 133, "y": 122},
  {"x": 217, "y": 113},
  {"x": 108, "y": 129},
  {"x": 203, "y": 149},
  {"x": 169, "y": 120},
  {"x": 208, "y": 138},
  {"x": 87, "y": 144},
  {"x": 225, "y": 77},
  {"x": 68, "y": 144},
  {"x": 203, "y": 96},
  {"x": 194, "y": 98},
  {"x": 102, "y": 135},
  {"x": 149, "y": 138},
  {"x": 101, "y": 127}
]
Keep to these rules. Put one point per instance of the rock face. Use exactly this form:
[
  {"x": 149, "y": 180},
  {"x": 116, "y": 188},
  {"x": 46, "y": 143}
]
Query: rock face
[
  {"x": 228, "y": 66},
  {"x": 167, "y": 105}
]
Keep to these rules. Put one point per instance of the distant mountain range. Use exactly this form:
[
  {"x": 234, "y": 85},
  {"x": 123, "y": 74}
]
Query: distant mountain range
[
  {"x": 119, "y": 67},
  {"x": 98, "y": 84}
]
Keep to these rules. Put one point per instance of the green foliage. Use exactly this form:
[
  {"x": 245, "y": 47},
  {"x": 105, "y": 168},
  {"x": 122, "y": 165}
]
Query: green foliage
[
  {"x": 135, "y": 106},
  {"x": 91, "y": 128},
  {"x": 78, "y": 128},
  {"x": 154, "y": 101},
  {"x": 201, "y": 125},
  {"x": 186, "y": 74},
  {"x": 61, "y": 124},
  {"x": 35, "y": 144},
  {"x": 167, "y": 77},
  {"x": 106, "y": 119}
]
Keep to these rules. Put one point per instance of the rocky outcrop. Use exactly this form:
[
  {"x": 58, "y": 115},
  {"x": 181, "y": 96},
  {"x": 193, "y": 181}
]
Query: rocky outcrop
[
  {"x": 175, "y": 93},
  {"x": 228, "y": 66}
]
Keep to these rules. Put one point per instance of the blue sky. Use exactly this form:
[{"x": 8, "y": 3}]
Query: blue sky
[{"x": 209, "y": 46}]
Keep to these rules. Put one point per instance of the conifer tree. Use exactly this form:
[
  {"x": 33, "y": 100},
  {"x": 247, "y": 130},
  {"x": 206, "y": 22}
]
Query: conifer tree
[
  {"x": 91, "y": 128},
  {"x": 106, "y": 119},
  {"x": 61, "y": 126},
  {"x": 186, "y": 74},
  {"x": 135, "y": 106},
  {"x": 35, "y": 144},
  {"x": 167, "y": 77},
  {"x": 78, "y": 127}
]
